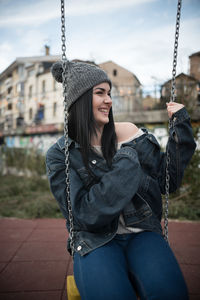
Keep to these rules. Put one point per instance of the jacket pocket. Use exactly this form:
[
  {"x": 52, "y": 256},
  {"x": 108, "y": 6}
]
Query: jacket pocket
[
  {"x": 137, "y": 211},
  {"x": 138, "y": 208}
]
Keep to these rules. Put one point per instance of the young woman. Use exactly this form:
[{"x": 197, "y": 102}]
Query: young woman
[{"x": 117, "y": 176}]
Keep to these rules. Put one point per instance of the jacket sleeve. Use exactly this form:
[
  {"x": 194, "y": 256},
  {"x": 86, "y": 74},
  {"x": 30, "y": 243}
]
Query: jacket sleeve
[
  {"x": 181, "y": 147},
  {"x": 98, "y": 206}
]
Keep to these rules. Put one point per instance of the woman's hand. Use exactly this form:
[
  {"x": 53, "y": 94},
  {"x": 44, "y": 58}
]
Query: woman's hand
[{"x": 173, "y": 107}]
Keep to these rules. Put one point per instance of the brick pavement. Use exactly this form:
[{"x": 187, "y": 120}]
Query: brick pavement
[{"x": 34, "y": 262}]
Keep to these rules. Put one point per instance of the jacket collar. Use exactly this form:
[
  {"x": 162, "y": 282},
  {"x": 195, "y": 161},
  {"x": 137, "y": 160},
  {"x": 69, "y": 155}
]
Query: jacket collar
[{"x": 72, "y": 143}]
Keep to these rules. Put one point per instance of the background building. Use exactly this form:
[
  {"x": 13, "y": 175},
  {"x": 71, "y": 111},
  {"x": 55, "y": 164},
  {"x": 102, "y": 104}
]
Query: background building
[
  {"x": 186, "y": 90},
  {"x": 149, "y": 102},
  {"x": 195, "y": 65},
  {"x": 28, "y": 93},
  {"x": 31, "y": 100},
  {"x": 187, "y": 87},
  {"x": 126, "y": 90}
]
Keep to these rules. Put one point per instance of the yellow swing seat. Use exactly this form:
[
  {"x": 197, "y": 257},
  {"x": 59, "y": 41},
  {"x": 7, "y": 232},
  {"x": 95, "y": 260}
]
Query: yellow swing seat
[{"x": 72, "y": 290}]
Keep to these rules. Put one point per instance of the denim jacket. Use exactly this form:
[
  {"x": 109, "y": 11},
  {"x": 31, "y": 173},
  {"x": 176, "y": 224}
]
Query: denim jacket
[{"x": 132, "y": 185}]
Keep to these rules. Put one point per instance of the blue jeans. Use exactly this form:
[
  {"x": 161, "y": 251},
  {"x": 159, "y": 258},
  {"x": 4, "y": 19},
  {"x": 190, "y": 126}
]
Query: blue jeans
[{"x": 141, "y": 263}]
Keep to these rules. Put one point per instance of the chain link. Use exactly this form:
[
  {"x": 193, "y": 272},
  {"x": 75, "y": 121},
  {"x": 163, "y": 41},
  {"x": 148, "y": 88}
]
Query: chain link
[
  {"x": 172, "y": 99},
  {"x": 64, "y": 79}
]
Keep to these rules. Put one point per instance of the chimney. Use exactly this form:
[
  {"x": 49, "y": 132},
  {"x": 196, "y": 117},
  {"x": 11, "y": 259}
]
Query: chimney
[{"x": 47, "y": 50}]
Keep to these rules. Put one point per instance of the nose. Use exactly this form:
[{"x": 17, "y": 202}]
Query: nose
[{"x": 108, "y": 99}]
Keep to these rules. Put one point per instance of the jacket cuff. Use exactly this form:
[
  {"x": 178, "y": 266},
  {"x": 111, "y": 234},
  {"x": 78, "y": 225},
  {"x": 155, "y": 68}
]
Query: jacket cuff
[{"x": 180, "y": 116}]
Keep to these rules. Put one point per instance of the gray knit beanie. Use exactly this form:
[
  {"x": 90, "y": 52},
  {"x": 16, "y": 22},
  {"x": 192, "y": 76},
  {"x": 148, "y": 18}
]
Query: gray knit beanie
[{"x": 80, "y": 78}]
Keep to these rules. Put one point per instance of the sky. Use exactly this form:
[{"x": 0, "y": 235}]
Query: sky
[{"x": 136, "y": 34}]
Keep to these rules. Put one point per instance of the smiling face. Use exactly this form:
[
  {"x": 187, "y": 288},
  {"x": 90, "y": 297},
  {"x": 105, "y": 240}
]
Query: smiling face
[{"x": 101, "y": 103}]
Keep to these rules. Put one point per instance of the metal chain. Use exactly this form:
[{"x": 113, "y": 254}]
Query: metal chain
[
  {"x": 172, "y": 99},
  {"x": 64, "y": 82}
]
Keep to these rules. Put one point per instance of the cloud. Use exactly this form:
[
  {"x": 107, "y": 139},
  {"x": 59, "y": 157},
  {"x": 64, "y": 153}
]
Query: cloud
[
  {"x": 5, "y": 54},
  {"x": 142, "y": 43},
  {"x": 30, "y": 43},
  {"x": 38, "y": 12},
  {"x": 153, "y": 55},
  {"x": 80, "y": 7},
  {"x": 146, "y": 52},
  {"x": 28, "y": 13},
  {"x": 32, "y": 40}
]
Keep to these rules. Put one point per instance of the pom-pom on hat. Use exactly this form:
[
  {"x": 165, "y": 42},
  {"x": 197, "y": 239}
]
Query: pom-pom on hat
[{"x": 80, "y": 78}]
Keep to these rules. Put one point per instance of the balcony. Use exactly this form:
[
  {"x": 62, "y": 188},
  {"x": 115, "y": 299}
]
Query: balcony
[
  {"x": 9, "y": 97},
  {"x": 8, "y": 113},
  {"x": 8, "y": 82}
]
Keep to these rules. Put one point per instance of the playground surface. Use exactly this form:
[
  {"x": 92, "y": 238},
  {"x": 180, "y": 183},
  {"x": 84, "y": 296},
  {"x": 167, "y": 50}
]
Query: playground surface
[{"x": 34, "y": 262}]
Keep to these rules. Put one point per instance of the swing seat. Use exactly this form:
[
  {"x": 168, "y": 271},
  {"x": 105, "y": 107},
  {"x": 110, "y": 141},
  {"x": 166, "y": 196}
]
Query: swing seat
[{"x": 72, "y": 290}]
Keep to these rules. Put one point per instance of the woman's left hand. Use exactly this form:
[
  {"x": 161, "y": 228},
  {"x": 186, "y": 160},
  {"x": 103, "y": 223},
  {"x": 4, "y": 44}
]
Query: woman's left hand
[{"x": 173, "y": 107}]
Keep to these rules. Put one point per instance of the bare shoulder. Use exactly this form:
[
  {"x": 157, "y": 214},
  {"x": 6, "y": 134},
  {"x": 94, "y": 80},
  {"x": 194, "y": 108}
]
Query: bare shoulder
[{"x": 125, "y": 130}]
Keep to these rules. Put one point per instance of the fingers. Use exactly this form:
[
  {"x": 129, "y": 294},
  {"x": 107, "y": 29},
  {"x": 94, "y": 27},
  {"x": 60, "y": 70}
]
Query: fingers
[{"x": 173, "y": 107}]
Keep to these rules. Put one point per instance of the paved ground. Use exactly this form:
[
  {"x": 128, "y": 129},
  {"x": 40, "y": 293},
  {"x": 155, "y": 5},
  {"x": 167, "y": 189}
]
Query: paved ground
[{"x": 34, "y": 262}]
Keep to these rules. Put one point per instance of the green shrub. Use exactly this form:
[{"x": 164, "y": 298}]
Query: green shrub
[
  {"x": 24, "y": 197},
  {"x": 185, "y": 203},
  {"x": 24, "y": 160}
]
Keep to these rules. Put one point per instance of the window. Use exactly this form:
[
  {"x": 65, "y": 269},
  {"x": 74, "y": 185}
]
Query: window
[
  {"x": 30, "y": 113},
  {"x": 198, "y": 87},
  {"x": 30, "y": 91},
  {"x": 198, "y": 99},
  {"x": 54, "y": 85},
  {"x": 9, "y": 106},
  {"x": 2, "y": 111},
  {"x": 20, "y": 121},
  {"x": 198, "y": 95},
  {"x": 121, "y": 92},
  {"x": 1, "y": 96},
  {"x": 20, "y": 88},
  {"x": 21, "y": 70},
  {"x": 31, "y": 72},
  {"x": 43, "y": 87},
  {"x": 114, "y": 72},
  {"x": 43, "y": 110},
  {"x": 40, "y": 114},
  {"x": 54, "y": 109},
  {"x": 9, "y": 90},
  {"x": 129, "y": 90}
]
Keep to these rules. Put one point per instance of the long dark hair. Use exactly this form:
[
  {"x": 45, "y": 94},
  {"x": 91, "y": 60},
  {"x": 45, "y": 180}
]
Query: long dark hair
[{"x": 82, "y": 125}]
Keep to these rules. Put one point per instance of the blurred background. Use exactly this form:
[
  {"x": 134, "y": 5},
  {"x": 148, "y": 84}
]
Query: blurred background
[{"x": 132, "y": 40}]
